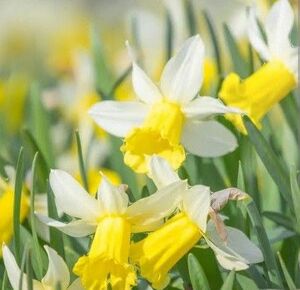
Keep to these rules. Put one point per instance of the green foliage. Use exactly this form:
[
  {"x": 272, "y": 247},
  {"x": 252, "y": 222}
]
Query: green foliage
[
  {"x": 197, "y": 276},
  {"x": 17, "y": 204}
]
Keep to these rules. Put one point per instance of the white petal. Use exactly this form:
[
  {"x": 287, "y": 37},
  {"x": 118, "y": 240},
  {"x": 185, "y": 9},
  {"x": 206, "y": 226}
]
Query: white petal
[
  {"x": 208, "y": 138},
  {"x": 42, "y": 230},
  {"x": 118, "y": 118},
  {"x": 161, "y": 172},
  {"x": 145, "y": 89},
  {"x": 154, "y": 208},
  {"x": 76, "y": 285},
  {"x": 230, "y": 262},
  {"x": 113, "y": 199},
  {"x": 207, "y": 107},
  {"x": 278, "y": 26},
  {"x": 14, "y": 272},
  {"x": 291, "y": 60},
  {"x": 196, "y": 203},
  {"x": 183, "y": 74},
  {"x": 77, "y": 228},
  {"x": 58, "y": 272},
  {"x": 255, "y": 36},
  {"x": 237, "y": 252},
  {"x": 71, "y": 197}
]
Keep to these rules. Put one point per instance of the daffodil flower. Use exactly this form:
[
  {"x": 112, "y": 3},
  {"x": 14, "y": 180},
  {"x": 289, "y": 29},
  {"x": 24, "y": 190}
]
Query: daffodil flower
[
  {"x": 112, "y": 221},
  {"x": 157, "y": 253},
  {"x": 169, "y": 118},
  {"x": 57, "y": 273},
  {"x": 276, "y": 78}
]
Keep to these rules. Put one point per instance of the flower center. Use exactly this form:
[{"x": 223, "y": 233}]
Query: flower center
[
  {"x": 158, "y": 252},
  {"x": 258, "y": 93},
  {"x": 107, "y": 261},
  {"x": 160, "y": 134}
]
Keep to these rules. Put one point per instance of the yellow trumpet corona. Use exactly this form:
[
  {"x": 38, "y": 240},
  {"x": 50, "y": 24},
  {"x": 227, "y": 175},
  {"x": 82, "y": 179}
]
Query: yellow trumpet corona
[
  {"x": 107, "y": 261},
  {"x": 258, "y": 93},
  {"x": 157, "y": 254},
  {"x": 160, "y": 134}
]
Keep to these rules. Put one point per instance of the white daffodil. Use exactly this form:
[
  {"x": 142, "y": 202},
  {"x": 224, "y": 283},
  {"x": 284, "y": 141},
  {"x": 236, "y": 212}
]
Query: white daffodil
[
  {"x": 57, "y": 273},
  {"x": 166, "y": 119},
  {"x": 278, "y": 26},
  {"x": 112, "y": 221},
  {"x": 157, "y": 253},
  {"x": 257, "y": 94}
]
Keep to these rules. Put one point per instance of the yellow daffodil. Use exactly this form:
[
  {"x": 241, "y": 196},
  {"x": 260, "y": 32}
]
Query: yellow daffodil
[
  {"x": 276, "y": 78},
  {"x": 57, "y": 273},
  {"x": 76, "y": 95},
  {"x": 166, "y": 120},
  {"x": 73, "y": 97},
  {"x": 74, "y": 36},
  {"x": 157, "y": 253},
  {"x": 112, "y": 221},
  {"x": 12, "y": 101},
  {"x": 7, "y": 206}
]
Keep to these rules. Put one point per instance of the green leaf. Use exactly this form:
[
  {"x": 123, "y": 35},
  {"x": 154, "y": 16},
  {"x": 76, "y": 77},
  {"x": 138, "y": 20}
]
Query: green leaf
[
  {"x": 270, "y": 160},
  {"x": 290, "y": 108},
  {"x": 3, "y": 163},
  {"x": 209, "y": 174},
  {"x": 169, "y": 36},
  {"x": 249, "y": 168},
  {"x": 81, "y": 162},
  {"x": 145, "y": 191},
  {"x": 35, "y": 245},
  {"x": 27, "y": 242},
  {"x": 254, "y": 271},
  {"x": 251, "y": 59},
  {"x": 272, "y": 270},
  {"x": 240, "y": 178},
  {"x": 43, "y": 168},
  {"x": 288, "y": 279},
  {"x": 119, "y": 81},
  {"x": 245, "y": 283},
  {"x": 4, "y": 285},
  {"x": 239, "y": 63},
  {"x": 29, "y": 271},
  {"x": 116, "y": 163},
  {"x": 197, "y": 275},
  {"x": 216, "y": 47},
  {"x": 17, "y": 204},
  {"x": 279, "y": 219},
  {"x": 136, "y": 41},
  {"x": 228, "y": 284},
  {"x": 23, "y": 265},
  {"x": 103, "y": 74},
  {"x": 295, "y": 190},
  {"x": 190, "y": 17},
  {"x": 56, "y": 237},
  {"x": 39, "y": 124}
]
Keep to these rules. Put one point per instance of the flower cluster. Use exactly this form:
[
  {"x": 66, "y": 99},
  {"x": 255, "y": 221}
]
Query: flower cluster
[
  {"x": 124, "y": 239},
  {"x": 176, "y": 209}
]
